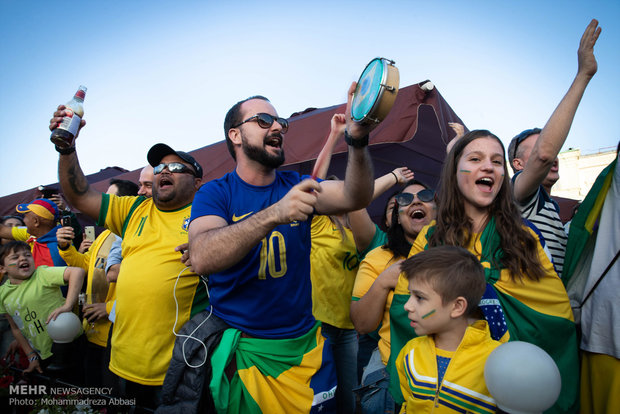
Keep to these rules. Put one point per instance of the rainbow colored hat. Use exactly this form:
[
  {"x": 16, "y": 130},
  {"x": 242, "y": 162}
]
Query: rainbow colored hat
[{"x": 42, "y": 207}]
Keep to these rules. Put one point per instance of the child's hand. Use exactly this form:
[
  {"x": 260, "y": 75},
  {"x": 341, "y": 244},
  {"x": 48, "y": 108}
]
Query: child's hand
[
  {"x": 12, "y": 350},
  {"x": 54, "y": 314},
  {"x": 34, "y": 365}
]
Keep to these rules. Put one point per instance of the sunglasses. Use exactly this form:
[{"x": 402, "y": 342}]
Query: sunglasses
[
  {"x": 265, "y": 121},
  {"x": 174, "y": 167},
  {"x": 522, "y": 137},
  {"x": 404, "y": 199}
]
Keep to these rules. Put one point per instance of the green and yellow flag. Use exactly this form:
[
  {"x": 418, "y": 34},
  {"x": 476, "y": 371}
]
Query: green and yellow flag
[
  {"x": 582, "y": 225},
  {"x": 536, "y": 312},
  {"x": 274, "y": 375}
]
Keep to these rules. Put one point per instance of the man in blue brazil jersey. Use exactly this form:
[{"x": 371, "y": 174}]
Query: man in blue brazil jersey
[{"x": 250, "y": 233}]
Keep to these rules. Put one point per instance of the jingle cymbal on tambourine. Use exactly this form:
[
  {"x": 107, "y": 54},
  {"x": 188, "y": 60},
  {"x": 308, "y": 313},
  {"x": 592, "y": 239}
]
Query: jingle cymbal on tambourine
[{"x": 376, "y": 91}]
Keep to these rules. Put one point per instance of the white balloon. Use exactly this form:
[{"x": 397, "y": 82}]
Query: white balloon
[
  {"x": 65, "y": 328},
  {"x": 522, "y": 378}
]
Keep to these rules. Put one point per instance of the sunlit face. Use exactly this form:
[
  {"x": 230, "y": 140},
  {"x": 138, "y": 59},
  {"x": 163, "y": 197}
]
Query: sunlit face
[
  {"x": 416, "y": 215},
  {"x": 525, "y": 150},
  {"x": 18, "y": 265},
  {"x": 174, "y": 190},
  {"x": 425, "y": 309},
  {"x": 480, "y": 173},
  {"x": 145, "y": 182},
  {"x": 259, "y": 144}
]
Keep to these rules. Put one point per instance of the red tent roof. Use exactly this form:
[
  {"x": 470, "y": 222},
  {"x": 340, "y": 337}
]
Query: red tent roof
[{"x": 414, "y": 134}]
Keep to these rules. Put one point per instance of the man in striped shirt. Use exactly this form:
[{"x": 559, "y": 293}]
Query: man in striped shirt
[{"x": 533, "y": 155}]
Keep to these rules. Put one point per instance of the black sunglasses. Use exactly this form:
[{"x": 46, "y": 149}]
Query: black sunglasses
[
  {"x": 174, "y": 167},
  {"x": 266, "y": 121},
  {"x": 522, "y": 137},
  {"x": 404, "y": 199}
]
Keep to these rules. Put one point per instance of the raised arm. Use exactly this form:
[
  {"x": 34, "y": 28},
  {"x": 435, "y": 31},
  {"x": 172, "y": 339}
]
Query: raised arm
[
  {"x": 74, "y": 184},
  {"x": 6, "y": 232},
  {"x": 362, "y": 226},
  {"x": 553, "y": 135},
  {"x": 459, "y": 131},
  {"x": 399, "y": 175},
  {"x": 355, "y": 192},
  {"x": 215, "y": 246},
  {"x": 74, "y": 276},
  {"x": 324, "y": 158},
  {"x": 68, "y": 252}
]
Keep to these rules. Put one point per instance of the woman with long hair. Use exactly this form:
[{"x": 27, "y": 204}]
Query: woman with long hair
[
  {"x": 525, "y": 298},
  {"x": 374, "y": 286}
]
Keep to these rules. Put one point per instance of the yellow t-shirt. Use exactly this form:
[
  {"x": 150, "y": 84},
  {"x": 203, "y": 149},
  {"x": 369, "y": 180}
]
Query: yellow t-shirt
[
  {"x": 375, "y": 262},
  {"x": 98, "y": 290},
  {"x": 142, "y": 338},
  {"x": 333, "y": 265}
]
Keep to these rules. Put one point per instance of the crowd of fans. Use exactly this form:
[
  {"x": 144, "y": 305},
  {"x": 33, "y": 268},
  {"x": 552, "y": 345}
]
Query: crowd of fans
[{"x": 268, "y": 291}]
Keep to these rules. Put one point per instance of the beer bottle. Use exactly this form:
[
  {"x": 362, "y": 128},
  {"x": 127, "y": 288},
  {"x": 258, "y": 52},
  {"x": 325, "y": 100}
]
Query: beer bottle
[{"x": 64, "y": 135}]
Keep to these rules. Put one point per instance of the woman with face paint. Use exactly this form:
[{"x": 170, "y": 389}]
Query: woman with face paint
[
  {"x": 525, "y": 299},
  {"x": 376, "y": 278}
]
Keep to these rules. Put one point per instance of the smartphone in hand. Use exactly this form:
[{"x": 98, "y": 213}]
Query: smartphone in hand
[
  {"x": 89, "y": 233},
  {"x": 65, "y": 220}
]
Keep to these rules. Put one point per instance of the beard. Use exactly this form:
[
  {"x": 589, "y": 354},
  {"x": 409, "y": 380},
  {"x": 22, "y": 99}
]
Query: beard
[{"x": 260, "y": 154}]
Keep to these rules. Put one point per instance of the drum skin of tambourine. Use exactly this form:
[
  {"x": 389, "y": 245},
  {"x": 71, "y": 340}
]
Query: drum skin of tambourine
[{"x": 376, "y": 91}]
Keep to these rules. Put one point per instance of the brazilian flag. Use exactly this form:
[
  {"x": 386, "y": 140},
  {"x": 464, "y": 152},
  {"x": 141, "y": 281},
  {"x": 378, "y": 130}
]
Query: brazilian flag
[
  {"x": 535, "y": 312},
  {"x": 274, "y": 375},
  {"x": 583, "y": 224}
]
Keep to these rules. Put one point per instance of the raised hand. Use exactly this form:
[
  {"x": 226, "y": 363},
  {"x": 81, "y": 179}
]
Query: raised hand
[
  {"x": 585, "y": 54},
  {"x": 60, "y": 113},
  {"x": 403, "y": 174},
  {"x": 356, "y": 129},
  {"x": 64, "y": 236}
]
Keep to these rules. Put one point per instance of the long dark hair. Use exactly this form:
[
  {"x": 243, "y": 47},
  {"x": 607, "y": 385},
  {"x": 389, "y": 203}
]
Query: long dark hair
[
  {"x": 455, "y": 228},
  {"x": 396, "y": 240}
]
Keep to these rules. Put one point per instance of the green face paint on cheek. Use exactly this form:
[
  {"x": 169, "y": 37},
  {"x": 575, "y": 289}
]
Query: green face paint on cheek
[
  {"x": 464, "y": 171},
  {"x": 428, "y": 314}
]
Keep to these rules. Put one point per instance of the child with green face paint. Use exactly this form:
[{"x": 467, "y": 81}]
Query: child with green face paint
[{"x": 446, "y": 284}]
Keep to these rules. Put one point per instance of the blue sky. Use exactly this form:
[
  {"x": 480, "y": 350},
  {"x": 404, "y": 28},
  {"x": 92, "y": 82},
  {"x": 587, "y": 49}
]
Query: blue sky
[{"x": 168, "y": 71}]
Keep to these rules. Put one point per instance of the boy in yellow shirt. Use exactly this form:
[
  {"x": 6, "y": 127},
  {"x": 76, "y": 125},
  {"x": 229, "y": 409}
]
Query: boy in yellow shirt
[{"x": 442, "y": 370}]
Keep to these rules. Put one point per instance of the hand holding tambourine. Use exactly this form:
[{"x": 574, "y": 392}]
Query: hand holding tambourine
[
  {"x": 368, "y": 102},
  {"x": 372, "y": 97},
  {"x": 376, "y": 91}
]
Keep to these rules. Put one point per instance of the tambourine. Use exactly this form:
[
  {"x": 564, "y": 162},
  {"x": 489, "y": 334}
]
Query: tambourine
[{"x": 376, "y": 91}]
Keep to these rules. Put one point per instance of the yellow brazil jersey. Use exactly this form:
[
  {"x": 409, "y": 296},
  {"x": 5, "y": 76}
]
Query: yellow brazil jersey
[
  {"x": 142, "y": 337},
  {"x": 333, "y": 265},
  {"x": 375, "y": 262}
]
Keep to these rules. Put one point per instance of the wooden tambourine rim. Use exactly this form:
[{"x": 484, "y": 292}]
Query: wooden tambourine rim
[{"x": 384, "y": 101}]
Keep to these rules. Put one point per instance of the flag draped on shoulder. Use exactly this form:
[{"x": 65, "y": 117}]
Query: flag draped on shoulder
[{"x": 537, "y": 312}]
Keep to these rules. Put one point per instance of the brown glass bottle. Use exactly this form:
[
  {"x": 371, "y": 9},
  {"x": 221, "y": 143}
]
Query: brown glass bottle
[{"x": 64, "y": 135}]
